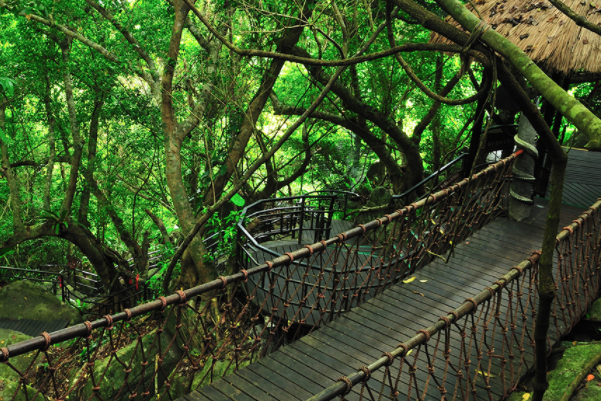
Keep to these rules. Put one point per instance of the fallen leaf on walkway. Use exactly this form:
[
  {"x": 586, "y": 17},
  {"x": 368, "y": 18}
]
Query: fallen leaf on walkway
[
  {"x": 485, "y": 374},
  {"x": 418, "y": 293},
  {"x": 409, "y": 280},
  {"x": 423, "y": 281},
  {"x": 590, "y": 377}
]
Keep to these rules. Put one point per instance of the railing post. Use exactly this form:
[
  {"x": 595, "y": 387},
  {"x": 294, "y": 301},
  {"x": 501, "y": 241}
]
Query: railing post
[
  {"x": 302, "y": 219},
  {"x": 63, "y": 284}
]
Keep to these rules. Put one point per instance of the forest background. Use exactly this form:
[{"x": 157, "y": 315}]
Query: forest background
[{"x": 126, "y": 126}]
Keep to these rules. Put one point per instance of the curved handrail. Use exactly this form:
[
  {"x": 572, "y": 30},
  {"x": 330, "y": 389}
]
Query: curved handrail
[{"x": 247, "y": 213}]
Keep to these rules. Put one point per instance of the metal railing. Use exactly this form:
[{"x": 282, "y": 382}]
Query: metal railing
[
  {"x": 452, "y": 172},
  {"x": 56, "y": 280}
]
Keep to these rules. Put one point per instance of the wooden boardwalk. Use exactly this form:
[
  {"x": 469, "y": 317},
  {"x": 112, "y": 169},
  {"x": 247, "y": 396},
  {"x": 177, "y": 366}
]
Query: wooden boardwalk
[
  {"x": 307, "y": 366},
  {"x": 32, "y": 327},
  {"x": 582, "y": 184}
]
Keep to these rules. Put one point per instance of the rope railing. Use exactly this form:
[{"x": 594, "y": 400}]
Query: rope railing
[
  {"x": 479, "y": 350},
  {"x": 181, "y": 342}
]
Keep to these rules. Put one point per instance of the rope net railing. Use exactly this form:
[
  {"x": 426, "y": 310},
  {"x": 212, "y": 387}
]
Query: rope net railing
[
  {"x": 179, "y": 343},
  {"x": 483, "y": 348}
]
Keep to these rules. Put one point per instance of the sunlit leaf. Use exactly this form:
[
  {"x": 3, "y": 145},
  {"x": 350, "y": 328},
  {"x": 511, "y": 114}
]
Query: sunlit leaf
[{"x": 238, "y": 200}]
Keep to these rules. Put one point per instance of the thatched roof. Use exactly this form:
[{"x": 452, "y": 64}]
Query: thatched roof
[{"x": 548, "y": 36}]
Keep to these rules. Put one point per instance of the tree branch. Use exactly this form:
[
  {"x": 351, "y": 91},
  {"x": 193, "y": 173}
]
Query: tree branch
[{"x": 577, "y": 18}]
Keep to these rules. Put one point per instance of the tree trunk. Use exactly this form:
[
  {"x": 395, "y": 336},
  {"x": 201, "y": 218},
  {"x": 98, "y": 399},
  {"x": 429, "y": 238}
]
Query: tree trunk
[
  {"x": 51, "y": 147},
  {"x": 546, "y": 285},
  {"x": 11, "y": 177},
  {"x": 84, "y": 202}
]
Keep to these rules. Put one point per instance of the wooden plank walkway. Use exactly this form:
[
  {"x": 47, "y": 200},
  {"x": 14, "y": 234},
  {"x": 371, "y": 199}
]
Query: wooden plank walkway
[
  {"x": 32, "y": 328},
  {"x": 307, "y": 366},
  {"x": 582, "y": 184}
]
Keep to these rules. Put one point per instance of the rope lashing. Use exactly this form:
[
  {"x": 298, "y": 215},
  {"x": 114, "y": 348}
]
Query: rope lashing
[
  {"x": 521, "y": 175},
  {"x": 348, "y": 382},
  {"x": 478, "y": 31}
]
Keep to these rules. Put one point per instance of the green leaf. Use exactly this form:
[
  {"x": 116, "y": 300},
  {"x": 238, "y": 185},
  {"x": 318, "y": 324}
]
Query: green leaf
[{"x": 238, "y": 200}]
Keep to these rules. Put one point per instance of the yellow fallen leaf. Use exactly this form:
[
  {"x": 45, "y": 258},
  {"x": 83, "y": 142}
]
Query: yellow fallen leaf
[
  {"x": 418, "y": 293},
  {"x": 485, "y": 374},
  {"x": 410, "y": 351},
  {"x": 409, "y": 280},
  {"x": 25, "y": 298},
  {"x": 2, "y": 342},
  {"x": 526, "y": 397},
  {"x": 574, "y": 343},
  {"x": 423, "y": 281}
]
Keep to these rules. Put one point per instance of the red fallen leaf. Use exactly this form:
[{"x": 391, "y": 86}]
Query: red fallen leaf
[{"x": 590, "y": 377}]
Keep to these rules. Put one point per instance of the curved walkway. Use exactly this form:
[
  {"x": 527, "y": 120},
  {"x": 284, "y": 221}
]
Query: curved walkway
[{"x": 307, "y": 366}]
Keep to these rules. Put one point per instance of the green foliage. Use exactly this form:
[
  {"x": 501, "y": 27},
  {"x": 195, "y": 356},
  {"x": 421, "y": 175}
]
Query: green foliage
[{"x": 131, "y": 148}]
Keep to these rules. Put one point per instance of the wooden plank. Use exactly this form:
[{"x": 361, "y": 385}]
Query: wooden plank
[
  {"x": 212, "y": 394},
  {"x": 306, "y": 387},
  {"x": 247, "y": 387},
  {"x": 230, "y": 391},
  {"x": 263, "y": 385},
  {"x": 281, "y": 389},
  {"x": 193, "y": 396}
]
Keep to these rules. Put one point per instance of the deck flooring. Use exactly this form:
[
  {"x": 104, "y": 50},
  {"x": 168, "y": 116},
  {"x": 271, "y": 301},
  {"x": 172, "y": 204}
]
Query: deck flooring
[
  {"x": 32, "y": 328},
  {"x": 582, "y": 184},
  {"x": 307, "y": 366}
]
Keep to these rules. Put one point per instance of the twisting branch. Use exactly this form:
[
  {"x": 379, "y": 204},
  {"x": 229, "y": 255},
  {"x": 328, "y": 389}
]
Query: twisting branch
[
  {"x": 109, "y": 56},
  {"x": 266, "y": 156},
  {"x": 205, "y": 217},
  {"x": 577, "y": 18},
  {"x": 126, "y": 34},
  {"x": 409, "y": 71},
  {"x": 408, "y": 47}
]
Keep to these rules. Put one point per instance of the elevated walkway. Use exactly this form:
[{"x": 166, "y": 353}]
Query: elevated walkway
[
  {"x": 307, "y": 366},
  {"x": 372, "y": 312}
]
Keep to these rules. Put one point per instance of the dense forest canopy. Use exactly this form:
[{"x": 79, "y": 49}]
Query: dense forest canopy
[{"x": 127, "y": 125}]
